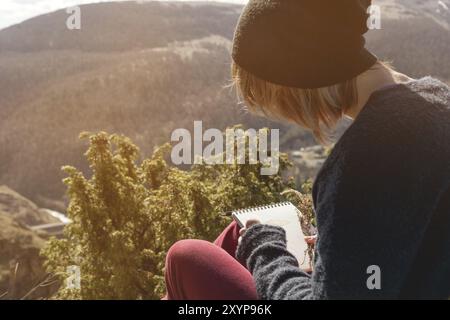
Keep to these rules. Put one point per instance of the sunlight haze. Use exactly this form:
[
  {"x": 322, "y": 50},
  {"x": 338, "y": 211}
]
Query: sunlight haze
[{"x": 16, "y": 11}]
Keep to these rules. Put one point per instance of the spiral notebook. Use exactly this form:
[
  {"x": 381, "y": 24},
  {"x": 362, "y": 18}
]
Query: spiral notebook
[{"x": 284, "y": 215}]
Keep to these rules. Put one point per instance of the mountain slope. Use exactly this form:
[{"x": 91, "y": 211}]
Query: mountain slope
[
  {"x": 415, "y": 36},
  {"x": 122, "y": 26},
  {"x": 144, "y": 70}
]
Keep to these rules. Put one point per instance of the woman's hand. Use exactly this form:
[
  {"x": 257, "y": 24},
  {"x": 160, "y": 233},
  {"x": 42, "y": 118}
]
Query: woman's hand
[
  {"x": 249, "y": 223},
  {"x": 311, "y": 240}
]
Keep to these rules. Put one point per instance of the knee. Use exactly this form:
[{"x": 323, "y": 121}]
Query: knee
[{"x": 183, "y": 252}]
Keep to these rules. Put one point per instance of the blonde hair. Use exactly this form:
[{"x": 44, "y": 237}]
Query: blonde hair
[{"x": 315, "y": 109}]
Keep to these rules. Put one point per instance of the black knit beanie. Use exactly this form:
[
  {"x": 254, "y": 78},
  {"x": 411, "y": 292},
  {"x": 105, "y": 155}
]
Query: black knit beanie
[{"x": 303, "y": 43}]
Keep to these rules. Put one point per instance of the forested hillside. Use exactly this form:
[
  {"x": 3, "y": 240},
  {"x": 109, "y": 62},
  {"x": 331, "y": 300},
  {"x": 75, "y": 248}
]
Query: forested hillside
[{"x": 144, "y": 70}]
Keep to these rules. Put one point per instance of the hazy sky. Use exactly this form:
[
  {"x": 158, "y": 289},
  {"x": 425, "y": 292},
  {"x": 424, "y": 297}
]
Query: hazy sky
[{"x": 15, "y": 11}]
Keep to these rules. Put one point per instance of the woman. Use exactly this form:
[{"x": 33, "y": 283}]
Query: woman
[{"x": 382, "y": 199}]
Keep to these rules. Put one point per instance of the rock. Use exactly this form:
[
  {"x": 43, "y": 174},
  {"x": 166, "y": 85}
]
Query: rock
[
  {"x": 21, "y": 267},
  {"x": 23, "y": 210}
]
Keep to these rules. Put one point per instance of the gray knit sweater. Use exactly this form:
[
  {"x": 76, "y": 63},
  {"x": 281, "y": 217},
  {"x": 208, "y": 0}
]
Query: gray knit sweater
[{"x": 381, "y": 199}]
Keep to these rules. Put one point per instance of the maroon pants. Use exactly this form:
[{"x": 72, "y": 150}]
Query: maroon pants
[{"x": 201, "y": 270}]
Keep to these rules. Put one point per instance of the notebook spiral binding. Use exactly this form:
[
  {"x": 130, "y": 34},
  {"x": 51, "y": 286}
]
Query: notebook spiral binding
[{"x": 265, "y": 207}]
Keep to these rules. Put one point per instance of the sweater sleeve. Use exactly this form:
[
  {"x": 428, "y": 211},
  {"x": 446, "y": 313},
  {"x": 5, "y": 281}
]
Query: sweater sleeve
[{"x": 274, "y": 269}]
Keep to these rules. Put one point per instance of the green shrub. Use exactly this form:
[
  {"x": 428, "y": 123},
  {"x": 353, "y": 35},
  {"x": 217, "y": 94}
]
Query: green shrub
[{"x": 127, "y": 215}]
